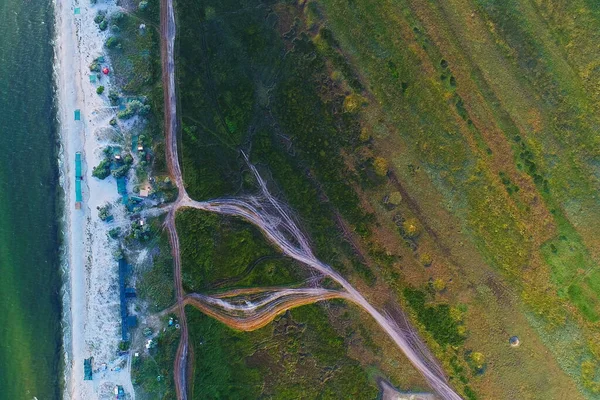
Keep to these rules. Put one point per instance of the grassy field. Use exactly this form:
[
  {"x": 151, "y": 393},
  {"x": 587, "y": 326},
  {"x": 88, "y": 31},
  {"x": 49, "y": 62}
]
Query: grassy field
[{"x": 441, "y": 155}]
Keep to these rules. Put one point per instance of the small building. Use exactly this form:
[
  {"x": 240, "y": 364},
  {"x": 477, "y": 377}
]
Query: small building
[{"x": 145, "y": 192}]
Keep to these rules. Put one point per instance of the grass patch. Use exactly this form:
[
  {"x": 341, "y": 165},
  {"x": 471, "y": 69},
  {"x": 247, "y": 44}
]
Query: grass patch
[
  {"x": 224, "y": 252},
  {"x": 299, "y": 355}
]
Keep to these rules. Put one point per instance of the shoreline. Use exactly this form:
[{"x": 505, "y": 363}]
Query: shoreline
[{"x": 91, "y": 324}]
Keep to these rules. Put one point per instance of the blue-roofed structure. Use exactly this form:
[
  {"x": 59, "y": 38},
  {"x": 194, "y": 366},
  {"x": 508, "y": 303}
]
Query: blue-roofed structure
[
  {"x": 127, "y": 321},
  {"x": 122, "y": 189},
  {"x": 78, "y": 179}
]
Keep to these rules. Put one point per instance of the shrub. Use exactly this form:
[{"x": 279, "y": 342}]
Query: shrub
[
  {"x": 95, "y": 66},
  {"x": 381, "y": 166},
  {"x": 411, "y": 228},
  {"x": 117, "y": 17},
  {"x": 99, "y": 17},
  {"x": 115, "y": 232},
  {"x": 353, "y": 102},
  {"x": 121, "y": 171},
  {"x": 439, "y": 285},
  {"x": 103, "y": 25},
  {"x": 100, "y": 89},
  {"x": 143, "y": 5},
  {"x": 478, "y": 360},
  {"x": 134, "y": 107},
  {"x": 425, "y": 259},
  {"x": 104, "y": 212},
  {"x": 395, "y": 198},
  {"x": 113, "y": 96},
  {"x": 112, "y": 42},
  {"x": 115, "y": 29},
  {"x": 125, "y": 114}
]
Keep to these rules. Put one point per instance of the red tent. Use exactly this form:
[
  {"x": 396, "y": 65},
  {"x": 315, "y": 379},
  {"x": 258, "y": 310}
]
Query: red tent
[{"x": 105, "y": 71}]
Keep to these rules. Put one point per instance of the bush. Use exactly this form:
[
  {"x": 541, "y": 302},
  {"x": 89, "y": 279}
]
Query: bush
[
  {"x": 104, "y": 212},
  {"x": 125, "y": 114},
  {"x": 113, "y": 96},
  {"x": 95, "y": 66},
  {"x": 381, "y": 166},
  {"x": 102, "y": 170},
  {"x": 411, "y": 228},
  {"x": 99, "y": 17},
  {"x": 103, "y": 25},
  {"x": 134, "y": 107},
  {"x": 143, "y": 5},
  {"x": 112, "y": 43},
  {"x": 115, "y": 232},
  {"x": 115, "y": 29},
  {"x": 100, "y": 89}
]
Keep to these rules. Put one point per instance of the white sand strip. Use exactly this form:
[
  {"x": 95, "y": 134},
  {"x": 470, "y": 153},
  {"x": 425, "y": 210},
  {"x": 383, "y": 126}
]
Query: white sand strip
[{"x": 93, "y": 309}]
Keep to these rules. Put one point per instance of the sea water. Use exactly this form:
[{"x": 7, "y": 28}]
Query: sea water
[{"x": 30, "y": 303}]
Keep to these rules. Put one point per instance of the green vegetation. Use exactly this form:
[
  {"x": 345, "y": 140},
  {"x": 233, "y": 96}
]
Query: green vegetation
[
  {"x": 474, "y": 122},
  {"x": 218, "y": 251},
  {"x": 437, "y": 319},
  {"x": 102, "y": 170},
  {"x": 151, "y": 371},
  {"x": 299, "y": 355},
  {"x": 100, "y": 89},
  {"x": 156, "y": 283}
]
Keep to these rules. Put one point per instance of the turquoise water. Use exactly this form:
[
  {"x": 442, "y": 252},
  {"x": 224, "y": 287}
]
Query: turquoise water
[{"x": 30, "y": 308}]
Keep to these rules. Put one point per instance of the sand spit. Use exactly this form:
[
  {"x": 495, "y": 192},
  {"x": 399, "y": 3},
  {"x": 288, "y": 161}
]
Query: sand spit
[{"x": 92, "y": 320}]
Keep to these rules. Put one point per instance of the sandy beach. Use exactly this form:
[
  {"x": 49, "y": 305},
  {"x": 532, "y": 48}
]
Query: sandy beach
[{"x": 92, "y": 319}]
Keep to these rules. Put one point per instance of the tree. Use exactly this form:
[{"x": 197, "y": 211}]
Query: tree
[
  {"x": 143, "y": 5},
  {"x": 102, "y": 170},
  {"x": 100, "y": 89}
]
